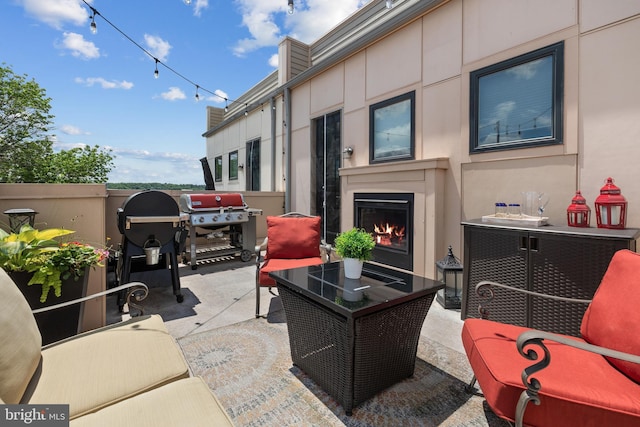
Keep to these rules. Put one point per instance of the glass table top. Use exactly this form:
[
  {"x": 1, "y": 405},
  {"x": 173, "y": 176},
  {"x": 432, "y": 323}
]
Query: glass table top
[{"x": 377, "y": 286}]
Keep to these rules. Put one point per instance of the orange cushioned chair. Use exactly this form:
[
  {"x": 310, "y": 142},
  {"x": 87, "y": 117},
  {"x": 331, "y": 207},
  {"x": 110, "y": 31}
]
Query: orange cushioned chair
[
  {"x": 589, "y": 381},
  {"x": 293, "y": 240}
]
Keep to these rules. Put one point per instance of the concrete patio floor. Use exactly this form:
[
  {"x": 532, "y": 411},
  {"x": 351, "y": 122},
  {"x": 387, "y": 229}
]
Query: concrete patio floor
[{"x": 223, "y": 293}]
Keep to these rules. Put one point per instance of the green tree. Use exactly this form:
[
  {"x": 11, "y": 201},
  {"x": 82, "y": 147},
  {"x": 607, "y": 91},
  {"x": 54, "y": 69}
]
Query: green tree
[{"x": 26, "y": 142}]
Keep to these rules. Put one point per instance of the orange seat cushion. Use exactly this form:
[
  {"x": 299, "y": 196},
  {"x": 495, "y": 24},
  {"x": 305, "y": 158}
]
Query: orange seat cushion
[
  {"x": 293, "y": 237},
  {"x": 612, "y": 318},
  {"x": 579, "y": 388},
  {"x": 283, "y": 264}
]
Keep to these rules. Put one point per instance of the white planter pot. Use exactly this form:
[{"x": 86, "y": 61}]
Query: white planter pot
[{"x": 352, "y": 268}]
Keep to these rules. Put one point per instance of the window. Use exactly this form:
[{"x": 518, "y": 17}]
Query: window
[
  {"x": 253, "y": 165},
  {"x": 518, "y": 103},
  {"x": 218, "y": 169},
  {"x": 392, "y": 129},
  {"x": 233, "y": 165}
]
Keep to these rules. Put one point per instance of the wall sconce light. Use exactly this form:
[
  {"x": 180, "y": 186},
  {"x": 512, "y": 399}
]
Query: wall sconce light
[{"x": 348, "y": 152}]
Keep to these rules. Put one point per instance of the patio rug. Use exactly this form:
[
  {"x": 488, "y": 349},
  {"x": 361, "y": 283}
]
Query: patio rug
[{"x": 248, "y": 367}]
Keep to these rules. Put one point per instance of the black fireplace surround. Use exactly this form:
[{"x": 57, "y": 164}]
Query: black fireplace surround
[{"x": 389, "y": 217}]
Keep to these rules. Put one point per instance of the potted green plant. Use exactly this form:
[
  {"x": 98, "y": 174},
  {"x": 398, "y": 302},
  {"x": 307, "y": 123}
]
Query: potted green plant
[
  {"x": 354, "y": 247},
  {"x": 38, "y": 263}
]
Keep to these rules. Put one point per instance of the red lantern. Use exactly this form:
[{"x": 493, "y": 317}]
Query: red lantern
[
  {"x": 578, "y": 213},
  {"x": 611, "y": 207}
]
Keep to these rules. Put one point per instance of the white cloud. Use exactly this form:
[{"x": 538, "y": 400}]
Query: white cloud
[
  {"x": 146, "y": 166},
  {"x": 72, "y": 130},
  {"x": 310, "y": 20},
  {"x": 57, "y": 12},
  {"x": 199, "y": 6},
  {"x": 105, "y": 84},
  {"x": 78, "y": 46},
  {"x": 157, "y": 47},
  {"x": 273, "y": 61},
  {"x": 219, "y": 96},
  {"x": 526, "y": 71},
  {"x": 319, "y": 16},
  {"x": 174, "y": 93}
]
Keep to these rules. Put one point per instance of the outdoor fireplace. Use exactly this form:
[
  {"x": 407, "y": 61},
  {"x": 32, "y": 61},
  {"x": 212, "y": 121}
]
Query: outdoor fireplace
[{"x": 389, "y": 217}]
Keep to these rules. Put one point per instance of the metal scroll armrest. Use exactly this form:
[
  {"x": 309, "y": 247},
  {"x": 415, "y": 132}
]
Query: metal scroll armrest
[
  {"x": 531, "y": 346},
  {"x": 137, "y": 291},
  {"x": 485, "y": 292},
  {"x": 258, "y": 250}
]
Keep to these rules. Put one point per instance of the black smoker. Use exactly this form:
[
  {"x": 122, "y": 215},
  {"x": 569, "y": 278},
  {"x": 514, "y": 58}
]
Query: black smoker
[
  {"x": 151, "y": 219},
  {"x": 389, "y": 217}
]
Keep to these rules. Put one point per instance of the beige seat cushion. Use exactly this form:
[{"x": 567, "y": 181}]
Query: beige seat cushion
[
  {"x": 108, "y": 365},
  {"x": 187, "y": 402},
  {"x": 20, "y": 341}
]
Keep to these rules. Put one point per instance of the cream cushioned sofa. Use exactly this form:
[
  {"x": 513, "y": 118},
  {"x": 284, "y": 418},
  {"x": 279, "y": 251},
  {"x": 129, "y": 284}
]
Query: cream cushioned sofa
[{"x": 131, "y": 373}]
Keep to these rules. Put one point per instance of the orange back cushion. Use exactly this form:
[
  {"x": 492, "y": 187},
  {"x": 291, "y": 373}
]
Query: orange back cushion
[
  {"x": 612, "y": 318},
  {"x": 291, "y": 237}
]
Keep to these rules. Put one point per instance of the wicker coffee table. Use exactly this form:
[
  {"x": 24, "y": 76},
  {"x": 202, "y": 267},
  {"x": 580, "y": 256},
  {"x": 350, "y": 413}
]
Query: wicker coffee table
[{"x": 354, "y": 338}]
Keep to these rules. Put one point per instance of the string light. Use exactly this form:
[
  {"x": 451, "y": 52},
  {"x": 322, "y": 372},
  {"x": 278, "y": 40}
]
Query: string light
[
  {"x": 157, "y": 61},
  {"x": 389, "y": 4},
  {"x": 197, "y": 96},
  {"x": 94, "y": 28},
  {"x": 187, "y": 2},
  {"x": 290, "y": 7},
  {"x": 246, "y": 112}
]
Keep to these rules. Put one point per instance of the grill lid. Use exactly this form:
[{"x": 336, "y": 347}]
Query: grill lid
[
  {"x": 211, "y": 201},
  {"x": 149, "y": 215}
]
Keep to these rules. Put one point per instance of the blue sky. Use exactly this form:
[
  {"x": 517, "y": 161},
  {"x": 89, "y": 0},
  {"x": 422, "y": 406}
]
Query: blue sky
[{"x": 102, "y": 85}]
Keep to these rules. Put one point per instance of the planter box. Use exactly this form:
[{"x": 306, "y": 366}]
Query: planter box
[{"x": 56, "y": 324}]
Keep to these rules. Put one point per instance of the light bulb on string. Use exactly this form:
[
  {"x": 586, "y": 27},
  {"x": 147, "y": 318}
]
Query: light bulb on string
[
  {"x": 94, "y": 28},
  {"x": 290, "y": 7},
  {"x": 187, "y": 2},
  {"x": 226, "y": 106},
  {"x": 156, "y": 74},
  {"x": 389, "y": 4},
  {"x": 246, "y": 113},
  {"x": 197, "y": 96}
]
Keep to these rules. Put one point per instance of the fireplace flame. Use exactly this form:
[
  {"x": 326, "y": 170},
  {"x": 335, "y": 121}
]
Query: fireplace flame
[{"x": 386, "y": 234}]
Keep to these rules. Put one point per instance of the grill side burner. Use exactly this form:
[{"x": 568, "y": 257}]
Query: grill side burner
[{"x": 211, "y": 211}]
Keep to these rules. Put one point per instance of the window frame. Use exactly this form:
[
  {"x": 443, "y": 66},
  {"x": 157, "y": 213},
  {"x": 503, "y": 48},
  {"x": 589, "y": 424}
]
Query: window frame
[
  {"x": 408, "y": 120},
  {"x": 217, "y": 169},
  {"x": 233, "y": 165},
  {"x": 556, "y": 52}
]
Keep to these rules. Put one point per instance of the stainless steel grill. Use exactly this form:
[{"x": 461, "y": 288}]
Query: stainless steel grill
[{"x": 226, "y": 212}]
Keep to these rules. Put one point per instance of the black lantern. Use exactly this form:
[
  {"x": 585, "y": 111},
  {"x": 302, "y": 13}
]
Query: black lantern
[
  {"x": 20, "y": 217},
  {"x": 449, "y": 272}
]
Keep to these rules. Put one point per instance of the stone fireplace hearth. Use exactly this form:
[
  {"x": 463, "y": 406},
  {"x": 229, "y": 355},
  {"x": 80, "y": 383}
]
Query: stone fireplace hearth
[{"x": 424, "y": 180}]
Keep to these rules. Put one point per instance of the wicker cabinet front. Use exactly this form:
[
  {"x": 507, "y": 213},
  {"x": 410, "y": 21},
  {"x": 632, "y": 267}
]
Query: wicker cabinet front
[{"x": 556, "y": 261}]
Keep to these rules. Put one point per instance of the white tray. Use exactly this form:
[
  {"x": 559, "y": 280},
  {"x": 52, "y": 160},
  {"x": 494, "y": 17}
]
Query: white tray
[{"x": 531, "y": 221}]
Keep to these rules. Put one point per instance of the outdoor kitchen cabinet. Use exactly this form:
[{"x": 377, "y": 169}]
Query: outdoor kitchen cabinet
[{"x": 558, "y": 260}]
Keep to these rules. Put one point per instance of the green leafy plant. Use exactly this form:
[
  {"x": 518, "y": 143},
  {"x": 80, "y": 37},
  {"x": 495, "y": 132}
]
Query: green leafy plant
[
  {"x": 50, "y": 261},
  {"x": 355, "y": 243}
]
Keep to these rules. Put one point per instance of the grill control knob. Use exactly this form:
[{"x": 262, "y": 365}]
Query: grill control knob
[
  {"x": 228, "y": 217},
  {"x": 214, "y": 218},
  {"x": 200, "y": 219},
  {"x": 239, "y": 217}
]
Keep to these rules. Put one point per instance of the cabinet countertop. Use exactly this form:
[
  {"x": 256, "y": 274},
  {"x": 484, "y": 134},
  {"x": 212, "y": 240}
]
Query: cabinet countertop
[{"x": 626, "y": 233}]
